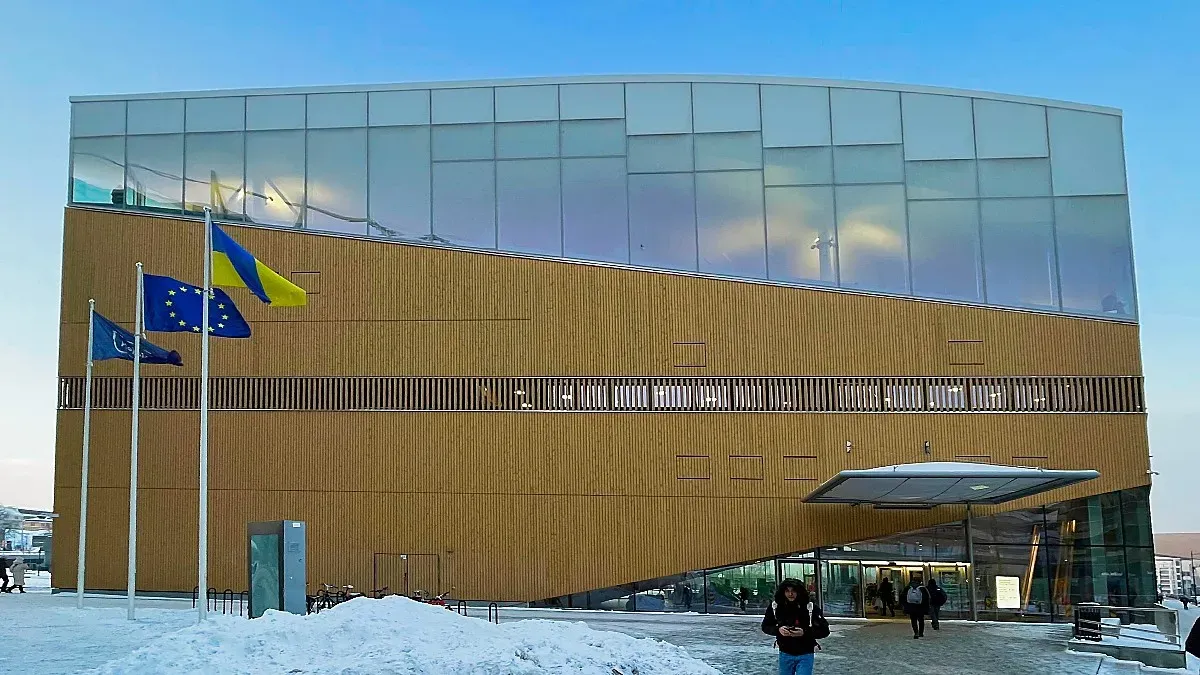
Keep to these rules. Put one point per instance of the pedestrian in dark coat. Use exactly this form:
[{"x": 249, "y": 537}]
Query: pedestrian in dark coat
[
  {"x": 797, "y": 624},
  {"x": 916, "y": 605},
  {"x": 3, "y": 575},
  {"x": 1193, "y": 641},
  {"x": 887, "y": 594},
  {"x": 937, "y": 598}
]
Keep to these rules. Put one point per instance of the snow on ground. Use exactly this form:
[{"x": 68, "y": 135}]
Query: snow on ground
[{"x": 1187, "y": 620}]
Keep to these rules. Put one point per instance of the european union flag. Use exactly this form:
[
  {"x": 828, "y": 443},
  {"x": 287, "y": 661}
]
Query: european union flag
[
  {"x": 110, "y": 341},
  {"x": 173, "y": 306}
]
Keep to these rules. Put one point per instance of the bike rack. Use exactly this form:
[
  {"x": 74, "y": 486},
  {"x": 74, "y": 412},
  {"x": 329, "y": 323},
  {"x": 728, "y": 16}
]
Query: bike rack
[
  {"x": 461, "y": 607},
  {"x": 494, "y": 613}
]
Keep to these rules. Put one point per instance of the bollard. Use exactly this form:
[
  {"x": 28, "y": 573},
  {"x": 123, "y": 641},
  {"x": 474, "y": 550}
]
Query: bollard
[{"x": 494, "y": 613}]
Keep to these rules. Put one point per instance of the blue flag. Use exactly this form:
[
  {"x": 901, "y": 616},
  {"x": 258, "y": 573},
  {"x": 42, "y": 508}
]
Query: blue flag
[
  {"x": 173, "y": 306},
  {"x": 110, "y": 341}
]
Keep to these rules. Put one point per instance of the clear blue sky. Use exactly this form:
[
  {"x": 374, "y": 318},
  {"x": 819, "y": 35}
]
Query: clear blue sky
[{"x": 1142, "y": 57}]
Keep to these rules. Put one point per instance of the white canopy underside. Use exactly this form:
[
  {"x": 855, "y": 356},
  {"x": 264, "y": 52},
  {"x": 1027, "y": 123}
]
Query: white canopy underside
[{"x": 936, "y": 483}]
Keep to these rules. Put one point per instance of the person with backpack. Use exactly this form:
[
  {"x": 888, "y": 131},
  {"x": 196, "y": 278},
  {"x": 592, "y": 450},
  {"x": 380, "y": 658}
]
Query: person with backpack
[
  {"x": 937, "y": 598},
  {"x": 797, "y": 624},
  {"x": 916, "y": 605}
]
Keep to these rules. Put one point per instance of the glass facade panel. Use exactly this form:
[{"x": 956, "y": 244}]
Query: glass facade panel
[
  {"x": 724, "y": 107},
  {"x": 464, "y": 203},
  {"x": 745, "y": 589},
  {"x": 1094, "y": 258},
  {"x": 868, "y": 164},
  {"x": 1086, "y": 154},
  {"x": 400, "y": 182},
  {"x": 464, "y": 141},
  {"x": 591, "y": 101},
  {"x": 520, "y": 140},
  {"x": 224, "y": 113},
  {"x": 155, "y": 116},
  {"x": 841, "y": 588},
  {"x": 729, "y": 217},
  {"x": 337, "y": 181},
  {"x": 865, "y": 116},
  {"x": 396, "y": 108},
  {"x": 794, "y": 116},
  {"x": 1020, "y": 267},
  {"x": 662, "y": 220},
  {"x": 728, "y": 151},
  {"x": 154, "y": 172},
  {"x": 275, "y": 177},
  {"x": 595, "y": 216},
  {"x": 593, "y": 138},
  {"x": 660, "y": 154},
  {"x": 527, "y": 104},
  {"x": 947, "y": 179},
  {"x": 1140, "y": 576},
  {"x": 1028, "y": 566},
  {"x": 275, "y": 112},
  {"x": 462, "y": 106},
  {"x": 326, "y": 111},
  {"x": 937, "y": 127},
  {"x": 527, "y": 206},
  {"x": 1014, "y": 177},
  {"x": 799, "y": 166},
  {"x": 98, "y": 118},
  {"x": 872, "y": 237},
  {"x": 1004, "y": 129},
  {"x": 1135, "y": 511},
  {"x": 944, "y": 246},
  {"x": 658, "y": 108},
  {"x": 800, "y": 234},
  {"x": 213, "y": 176},
  {"x": 98, "y": 170}
]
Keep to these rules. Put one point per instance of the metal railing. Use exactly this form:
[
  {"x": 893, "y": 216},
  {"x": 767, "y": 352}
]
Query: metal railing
[{"x": 1157, "y": 625}]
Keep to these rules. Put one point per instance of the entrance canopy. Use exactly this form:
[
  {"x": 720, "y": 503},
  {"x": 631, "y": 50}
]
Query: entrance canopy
[{"x": 930, "y": 484}]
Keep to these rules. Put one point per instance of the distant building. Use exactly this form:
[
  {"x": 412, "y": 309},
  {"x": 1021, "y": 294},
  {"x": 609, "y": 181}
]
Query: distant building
[{"x": 1176, "y": 576}]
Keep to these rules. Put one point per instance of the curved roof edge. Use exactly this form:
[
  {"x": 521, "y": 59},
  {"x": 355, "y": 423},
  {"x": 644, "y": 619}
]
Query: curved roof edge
[{"x": 609, "y": 79}]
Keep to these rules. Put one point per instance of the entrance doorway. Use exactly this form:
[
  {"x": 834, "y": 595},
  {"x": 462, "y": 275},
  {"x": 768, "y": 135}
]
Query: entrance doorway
[{"x": 851, "y": 588}]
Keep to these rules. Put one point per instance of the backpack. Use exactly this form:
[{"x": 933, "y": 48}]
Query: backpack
[
  {"x": 939, "y": 597},
  {"x": 914, "y": 596}
]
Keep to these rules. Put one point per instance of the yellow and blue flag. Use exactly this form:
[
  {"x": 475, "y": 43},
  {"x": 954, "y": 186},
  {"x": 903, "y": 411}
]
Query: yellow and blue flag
[
  {"x": 110, "y": 341},
  {"x": 173, "y": 306},
  {"x": 233, "y": 265}
]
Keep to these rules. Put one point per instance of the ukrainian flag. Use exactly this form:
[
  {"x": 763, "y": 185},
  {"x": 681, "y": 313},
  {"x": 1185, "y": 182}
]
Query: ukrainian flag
[{"x": 233, "y": 265}]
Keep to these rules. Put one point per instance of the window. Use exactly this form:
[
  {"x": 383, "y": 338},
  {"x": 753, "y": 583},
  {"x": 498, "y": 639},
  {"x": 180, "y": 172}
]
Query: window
[
  {"x": 400, "y": 181},
  {"x": 947, "y": 179},
  {"x": 98, "y": 170},
  {"x": 593, "y": 138},
  {"x": 337, "y": 110},
  {"x": 728, "y": 151},
  {"x": 662, "y": 220},
  {"x": 868, "y": 164},
  {"x": 394, "y": 108},
  {"x": 337, "y": 180},
  {"x": 658, "y": 108},
  {"x": 463, "y": 141},
  {"x": 595, "y": 211},
  {"x": 729, "y": 216},
  {"x": 862, "y": 116},
  {"x": 799, "y": 166},
  {"x": 527, "y": 139},
  {"x": 1086, "y": 157},
  {"x": 1020, "y": 266},
  {"x": 1014, "y": 177},
  {"x": 794, "y": 116},
  {"x": 660, "y": 154},
  {"x": 944, "y": 245},
  {"x": 527, "y": 203},
  {"x": 154, "y": 172},
  {"x": 275, "y": 112},
  {"x": 937, "y": 127},
  {"x": 801, "y": 242},
  {"x": 155, "y": 116},
  {"x": 591, "y": 101},
  {"x": 275, "y": 177},
  {"x": 525, "y": 104},
  {"x": 98, "y": 118},
  {"x": 223, "y": 113},
  {"x": 1004, "y": 129},
  {"x": 464, "y": 203},
  {"x": 459, "y": 106},
  {"x": 1095, "y": 261},
  {"x": 872, "y": 237},
  {"x": 725, "y": 107},
  {"x": 213, "y": 175}
]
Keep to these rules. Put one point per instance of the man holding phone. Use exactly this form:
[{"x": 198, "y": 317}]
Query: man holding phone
[{"x": 797, "y": 624}]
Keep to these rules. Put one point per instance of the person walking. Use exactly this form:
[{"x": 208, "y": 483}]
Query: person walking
[
  {"x": 887, "y": 595},
  {"x": 797, "y": 624},
  {"x": 937, "y": 598},
  {"x": 18, "y": 568},
  {"x": 3, "y": 574},
  {"x": 916, "y": 605},
  {"x": 1193, "y": 641},
  {"x": 1185, "y": 600}
]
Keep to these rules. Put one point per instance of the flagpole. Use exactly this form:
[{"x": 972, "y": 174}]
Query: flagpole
[
  {"x": 83, "y": 479},
  {"x": 133, "y": 445},
  {"x": 202, "y": 553}
]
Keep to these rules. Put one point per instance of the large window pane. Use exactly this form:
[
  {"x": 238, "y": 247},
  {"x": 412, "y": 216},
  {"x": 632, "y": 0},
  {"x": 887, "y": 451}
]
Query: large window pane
[
  {"x": 729, "y": 218},
  {"x": 458, "y": 106},
  {"x": 868, "y": 164},
  {"x": 154, "y": 172},
  {"x": 937, "y": 127},
  {"x": 660, "y": 154},
  {"x": 98, "y": 170},
  {"x": 728, "y": 151},
  {"x": 1135, "y": 512},
  {"x": 275, "y": 177},
  {"x": 1095, "y": 265},
  {"x": 1014, "y": 177},
  {"x": 1034, "y": 580},
  {"x": 337, "y": 110},
  {"x": 865, "y": 116},
  {"x": 799, "y": 166},
  {"x": 223, "y": 113},
  {"x": 155, "y": 116},
  {"x": 593, "y": 138},
  {"x": 97, "y": 118},
  {"x": 275, "y": 112},
  {"x": 399, "y": 175},
  {"x": 940, "y": 179},
  {"x": 527, "y": 104},
  {"x": 1004, "y": 129},
  {"x": 800, "y": 234},
  {"x": 1086, "y": 154},
  {"x": 463, "y": 141},
  {"x": 337, "y": 180},
  {"x": 872, "y": 242},
  {"x": 725, "y": 107},
  {"x": 658, "y": 108},
  {"x": 389, "y": 108},
  {"x": 215, "y": 162},
  {"x": 527, "y": 204},
  {"x": 1018, "y": 252},
  {"x": 527, "y": 139},
  {"x": 464, "y": 203},
  {"x": 794, "y": 116},
  {"x": 944, "y": 245},
  {"x": 591, "y": 101},
  {"x": 662, "y": 221},
  {"x": 595, "y": 218}
]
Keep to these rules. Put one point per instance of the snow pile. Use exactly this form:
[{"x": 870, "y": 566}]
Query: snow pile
[{"x": 397, "y": 635}]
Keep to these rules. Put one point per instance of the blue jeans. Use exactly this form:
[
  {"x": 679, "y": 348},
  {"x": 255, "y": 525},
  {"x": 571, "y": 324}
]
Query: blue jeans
[{"x": 795, "y": 665}]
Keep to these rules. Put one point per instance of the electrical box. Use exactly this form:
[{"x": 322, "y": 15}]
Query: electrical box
[{"x": 275, "y": 558}]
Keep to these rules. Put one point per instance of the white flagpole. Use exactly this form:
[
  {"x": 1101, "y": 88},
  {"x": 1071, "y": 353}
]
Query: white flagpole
[
  {"x": 133, "y": 445},
  {"x": 202, "y": 553},
  {"x": 83, "y": 479}
]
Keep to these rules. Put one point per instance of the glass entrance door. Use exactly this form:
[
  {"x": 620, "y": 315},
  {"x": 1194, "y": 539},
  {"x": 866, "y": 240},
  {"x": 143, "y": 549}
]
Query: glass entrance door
[
  {"x": 953, "y": 579},
  {"x": 841, "y": 585}
]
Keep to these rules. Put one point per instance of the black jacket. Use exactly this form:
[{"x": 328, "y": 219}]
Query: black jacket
[
  {"x": 910, "y": 608},
  {"x": 1193, "y": 641},
  {"x": 794, "y": 614}
]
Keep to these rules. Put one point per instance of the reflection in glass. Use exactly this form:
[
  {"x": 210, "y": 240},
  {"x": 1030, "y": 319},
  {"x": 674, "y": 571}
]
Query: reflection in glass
[
  {"x": 154, "y": 172},
  {"x": 868, "y": 164},
  {"x": 265, "y": 584},
  {"x": 799, "y": 166},
  {"x": 662, "y": 221},
  {"x": 800, "y": 234},
  {"x": 945, "y": 179},
  {"x": 337, "y": 180},
  {"x": 593, "y": 138},
  {"x": 728, "y": 151},
  {"x": 1020, "y": 269},
  {"x": 595, "y": 218},
  {"x": 463, "y": 141},
  {"x": 213, "y": 175},
  {"x": 841, "y": 588},
  {"x": 1028, "y": 565},
  {"x": 1135, "y": 511},
  {"x": 743, "y": 589},
  {"x": 1094, "y": 260},
  {"x": 527, "y": 139},
  {"x": 275, "y": 177},
  {"x": 944, "y": 245},
  {"x": 399, "y": 173},
  {"x": 98, "y": 170},
  {"x": 872, "y": 246},
  {"x": 1014, "y": 177},
  {"x": 729, "y": 219},
  {"x": 464, "y": 203},
  {"x": 660, "y": 154},
  {"x": 527, "y": 204}
]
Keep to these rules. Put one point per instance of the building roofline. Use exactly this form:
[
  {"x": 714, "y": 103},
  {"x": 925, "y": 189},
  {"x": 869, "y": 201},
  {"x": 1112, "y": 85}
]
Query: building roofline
[{"x": 606, "y": 79}]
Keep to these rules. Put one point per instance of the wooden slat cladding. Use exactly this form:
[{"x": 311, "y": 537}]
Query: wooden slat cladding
[{"x": 630, "y": 394}]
